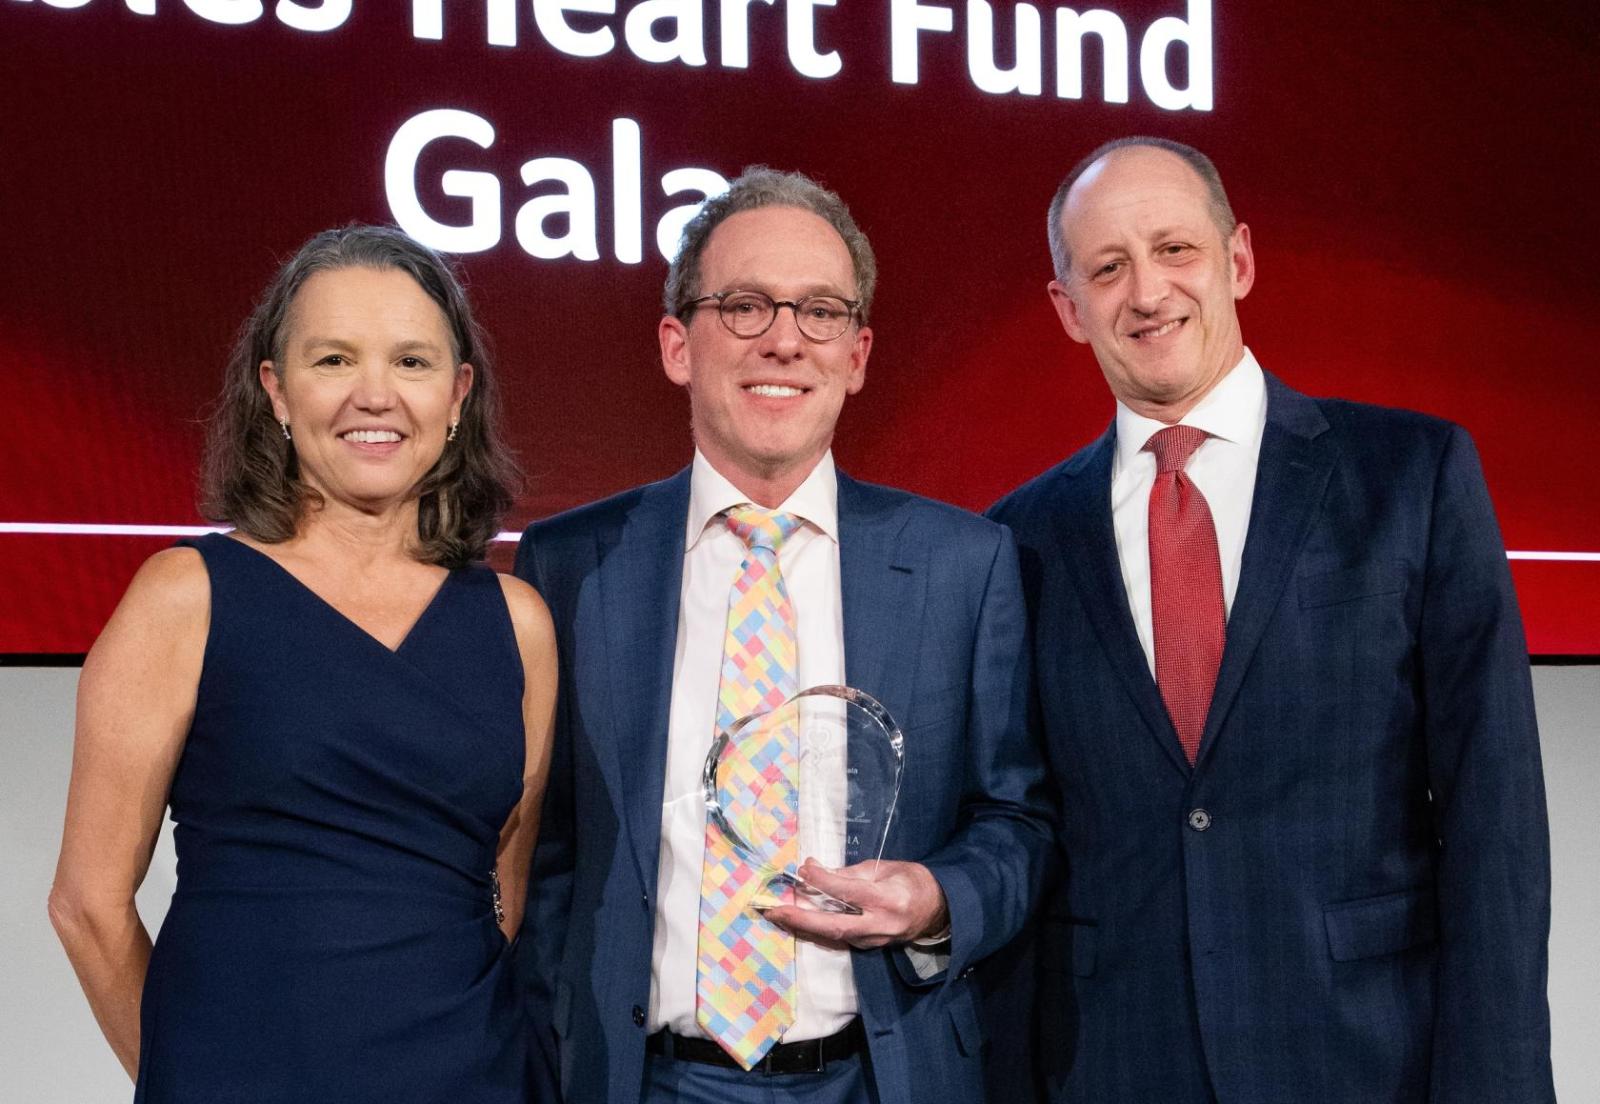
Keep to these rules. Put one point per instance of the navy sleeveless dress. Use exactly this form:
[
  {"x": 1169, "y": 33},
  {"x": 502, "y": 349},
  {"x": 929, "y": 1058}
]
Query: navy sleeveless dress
[{"x": 337, "y": 807}]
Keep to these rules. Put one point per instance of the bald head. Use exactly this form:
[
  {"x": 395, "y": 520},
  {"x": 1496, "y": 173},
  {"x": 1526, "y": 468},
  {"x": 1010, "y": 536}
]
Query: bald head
[
  {"x": 1150, "y": 279},
  {"x": 1198, "y": 163}
]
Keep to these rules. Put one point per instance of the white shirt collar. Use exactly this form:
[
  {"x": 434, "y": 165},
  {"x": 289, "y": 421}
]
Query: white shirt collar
[
  {"x": 1233, "y": 410},
  {"x": 815, "y": 501}
]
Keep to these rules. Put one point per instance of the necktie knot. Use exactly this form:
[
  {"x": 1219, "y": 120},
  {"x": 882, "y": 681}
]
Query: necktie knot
[
  {"x": 760, "y": 528},
  {"x": 1173, "y": 446}
]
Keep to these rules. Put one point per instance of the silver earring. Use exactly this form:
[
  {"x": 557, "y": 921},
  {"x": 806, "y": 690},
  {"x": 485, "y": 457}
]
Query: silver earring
[
  {"x": 454, "y": 426},
  {"x": 285, "y": 427}
]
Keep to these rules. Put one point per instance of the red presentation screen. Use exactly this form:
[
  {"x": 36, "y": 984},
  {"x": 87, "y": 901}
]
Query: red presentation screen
[{"x": 1418, "y": 179}]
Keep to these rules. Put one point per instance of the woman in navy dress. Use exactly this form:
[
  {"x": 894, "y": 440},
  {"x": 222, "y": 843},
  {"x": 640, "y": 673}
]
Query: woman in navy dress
[{"x": 348, "y": 714}]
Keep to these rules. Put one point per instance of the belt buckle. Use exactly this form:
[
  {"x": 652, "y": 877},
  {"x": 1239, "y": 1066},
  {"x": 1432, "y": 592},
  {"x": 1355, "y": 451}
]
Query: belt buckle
[{"x": 805, "y": 1057}]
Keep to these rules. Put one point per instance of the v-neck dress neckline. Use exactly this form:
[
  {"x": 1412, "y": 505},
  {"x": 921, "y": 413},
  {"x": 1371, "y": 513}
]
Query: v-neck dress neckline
[{"x": 411, "y": 631}]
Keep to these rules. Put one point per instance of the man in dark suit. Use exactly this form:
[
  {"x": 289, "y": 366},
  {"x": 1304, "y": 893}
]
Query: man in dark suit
[
  {"x": 1286, "y": 699},
  {"x": 916, "y": 603}
]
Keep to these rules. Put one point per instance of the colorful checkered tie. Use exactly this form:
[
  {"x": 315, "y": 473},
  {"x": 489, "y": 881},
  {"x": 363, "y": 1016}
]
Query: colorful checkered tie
[
  {"x": 1185, "y": 586},
  {"x": 745, "y": 981}
]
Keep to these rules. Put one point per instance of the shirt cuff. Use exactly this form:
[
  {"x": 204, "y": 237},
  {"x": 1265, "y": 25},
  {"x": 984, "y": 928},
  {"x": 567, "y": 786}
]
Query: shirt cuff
[{"x": 928, "y": 963}]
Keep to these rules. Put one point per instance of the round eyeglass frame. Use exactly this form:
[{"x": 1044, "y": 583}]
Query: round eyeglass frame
[{"x": 805, "y": 324}]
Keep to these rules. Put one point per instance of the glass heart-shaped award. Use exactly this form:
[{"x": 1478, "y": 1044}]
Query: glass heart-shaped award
[{"x": 830, "y": 754}]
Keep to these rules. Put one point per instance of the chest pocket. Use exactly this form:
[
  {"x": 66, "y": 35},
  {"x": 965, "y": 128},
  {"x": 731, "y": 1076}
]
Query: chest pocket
[
  {"x": 939, "y": 707},
  {"x": 1330, "y": 588}
]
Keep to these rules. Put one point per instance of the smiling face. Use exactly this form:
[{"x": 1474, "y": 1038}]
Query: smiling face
[
  {"x": 764, "y": 407},
  {"x": 368, "y": 384},
  {"x": 1153, "y": 281}
]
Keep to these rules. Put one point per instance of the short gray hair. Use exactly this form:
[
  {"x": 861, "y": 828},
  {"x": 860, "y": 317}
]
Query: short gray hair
[
  {"x": 756, "y": 187},
  {"x": 1221, "y": 210}
]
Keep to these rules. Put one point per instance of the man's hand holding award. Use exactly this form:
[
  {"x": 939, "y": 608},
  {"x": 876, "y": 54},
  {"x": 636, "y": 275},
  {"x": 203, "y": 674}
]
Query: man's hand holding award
[{"x": 834, "y": 755}]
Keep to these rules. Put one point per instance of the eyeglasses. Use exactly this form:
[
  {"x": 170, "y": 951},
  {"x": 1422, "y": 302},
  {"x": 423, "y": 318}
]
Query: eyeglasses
[{"x": 751, "y": 313}]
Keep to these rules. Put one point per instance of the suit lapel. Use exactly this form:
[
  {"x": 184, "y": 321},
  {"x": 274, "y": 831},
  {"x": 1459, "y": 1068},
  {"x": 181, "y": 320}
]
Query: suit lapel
[
  {"x": 881, "y": 581},
  {"x": 882, "y": 586},
  {"x": 1291, "y": 478},
  {"x": 641, "y": 576},
  {"x": 1088, "y": 540}
]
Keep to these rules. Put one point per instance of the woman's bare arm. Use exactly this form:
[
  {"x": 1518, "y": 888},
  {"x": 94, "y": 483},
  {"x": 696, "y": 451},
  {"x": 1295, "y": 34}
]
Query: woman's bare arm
[
  {"x": 536, "y": 640},
  {"x": 135, "y": 701}
]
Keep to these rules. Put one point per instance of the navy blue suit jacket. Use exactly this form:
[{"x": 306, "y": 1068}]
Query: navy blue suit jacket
[
  {"x": 1346, "y": 899},
  {"x": 934, "y": 627}
]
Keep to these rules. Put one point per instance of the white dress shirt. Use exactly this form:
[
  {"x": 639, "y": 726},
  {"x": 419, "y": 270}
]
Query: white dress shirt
[
  {"x": 1223, "y": 468},
  {"x": 825, "y": 992}
]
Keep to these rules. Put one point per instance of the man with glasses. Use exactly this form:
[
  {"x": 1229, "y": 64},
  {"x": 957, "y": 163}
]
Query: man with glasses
[{"x": 758, "y": 571}]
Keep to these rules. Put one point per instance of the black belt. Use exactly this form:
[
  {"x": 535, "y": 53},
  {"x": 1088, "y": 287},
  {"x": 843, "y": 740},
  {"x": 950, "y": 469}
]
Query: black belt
[{"x": 806, "y": 1056}]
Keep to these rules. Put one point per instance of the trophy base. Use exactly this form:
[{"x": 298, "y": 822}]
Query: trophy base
[{"x": 790, "y": 889}]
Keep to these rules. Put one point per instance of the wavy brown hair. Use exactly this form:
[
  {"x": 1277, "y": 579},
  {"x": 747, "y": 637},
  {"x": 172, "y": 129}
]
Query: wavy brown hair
[{"x": 251, "y": 474}]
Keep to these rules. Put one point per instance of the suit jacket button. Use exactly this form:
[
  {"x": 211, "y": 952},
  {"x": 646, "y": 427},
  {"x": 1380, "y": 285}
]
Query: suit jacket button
[
  {"x": 638, "y": 1016},
  {"x": 1199, "y": 819}
]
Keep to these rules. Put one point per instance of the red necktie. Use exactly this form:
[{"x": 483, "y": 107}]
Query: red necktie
[{"x": 1185, "y": 586}]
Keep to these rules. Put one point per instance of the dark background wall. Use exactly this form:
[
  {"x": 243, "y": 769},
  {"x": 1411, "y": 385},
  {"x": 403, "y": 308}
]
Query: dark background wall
[{"x": 1420, "y": 180}]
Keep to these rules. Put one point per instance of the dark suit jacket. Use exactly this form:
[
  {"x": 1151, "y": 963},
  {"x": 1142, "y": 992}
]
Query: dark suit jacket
[
  {"x": 1347, "y": 898},
  {"x": 934, "y": 627}
]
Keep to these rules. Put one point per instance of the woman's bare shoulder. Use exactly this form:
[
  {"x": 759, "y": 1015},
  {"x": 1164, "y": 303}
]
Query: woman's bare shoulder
[
  {"x": 530, "y": 617},
  {"x": 151, "y": 649},
  {"x": 172, "y": 585}
]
